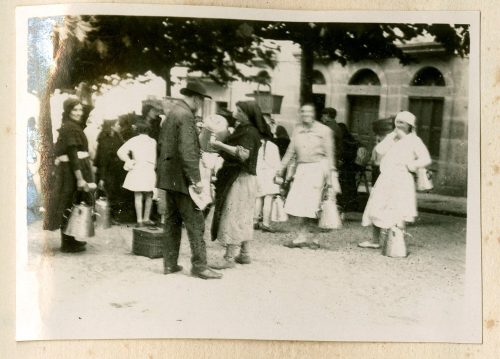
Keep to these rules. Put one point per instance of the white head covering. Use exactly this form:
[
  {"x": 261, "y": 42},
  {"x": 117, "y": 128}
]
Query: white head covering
[{"x": 406, "y": 116}]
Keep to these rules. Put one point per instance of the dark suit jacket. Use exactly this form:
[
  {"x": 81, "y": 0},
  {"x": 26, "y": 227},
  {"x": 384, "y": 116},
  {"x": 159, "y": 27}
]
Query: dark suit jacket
[{"x": 179, "y": 150}]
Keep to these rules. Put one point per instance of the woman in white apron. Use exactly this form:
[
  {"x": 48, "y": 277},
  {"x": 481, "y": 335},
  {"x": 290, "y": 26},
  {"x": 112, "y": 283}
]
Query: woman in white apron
[{"x": 392, "y": 201}]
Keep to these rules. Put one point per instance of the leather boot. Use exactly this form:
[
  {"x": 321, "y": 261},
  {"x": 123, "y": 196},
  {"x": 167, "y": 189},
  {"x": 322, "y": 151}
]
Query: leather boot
[
  {"x": 244, "y": 256},
  {"x": 228, "y": 260},
  {"x": 70, "y": 245}
]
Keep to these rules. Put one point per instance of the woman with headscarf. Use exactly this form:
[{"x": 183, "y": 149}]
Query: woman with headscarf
[
  {"x": 110, "y": 173},
  {"x": 393, "y": 201},
  {"x": 236, "y": 185},
  {"x": 73, "y": 173}
]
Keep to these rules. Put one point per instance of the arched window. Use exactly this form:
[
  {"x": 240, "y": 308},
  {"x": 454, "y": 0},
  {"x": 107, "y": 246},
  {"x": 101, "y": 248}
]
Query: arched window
[
  {"x": 428, "y": 76},
  {"x": 318, "y": 78},
  {"x": 365, "y": 77}
]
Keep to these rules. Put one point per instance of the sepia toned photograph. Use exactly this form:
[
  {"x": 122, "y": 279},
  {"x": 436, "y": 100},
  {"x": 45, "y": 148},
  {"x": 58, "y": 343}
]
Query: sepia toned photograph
[{"x": 229, "y": 173}]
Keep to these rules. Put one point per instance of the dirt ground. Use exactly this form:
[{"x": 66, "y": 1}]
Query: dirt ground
[{"x": 339, "y": 292}]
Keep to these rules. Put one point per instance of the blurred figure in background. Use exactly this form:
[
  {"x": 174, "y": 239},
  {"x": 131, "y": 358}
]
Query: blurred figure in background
[
  {"x": 345, "y": 149},
  {"x": 33, "y": 180},
  {"x": 311, "y": 147},
  {"x": 110, "y": 173},
  {"x": 348, "y": 170}
]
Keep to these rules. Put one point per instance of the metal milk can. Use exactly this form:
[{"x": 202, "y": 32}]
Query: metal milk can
[
  {"x": 395, "y": 245},
  {"x": 102, "y": 211},
  {"x": 81, "y": 220}
]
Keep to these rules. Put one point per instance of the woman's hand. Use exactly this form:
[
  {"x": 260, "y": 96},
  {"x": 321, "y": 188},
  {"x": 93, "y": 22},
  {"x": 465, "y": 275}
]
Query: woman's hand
[
  {"x": 129, "y": 165},
  {"x": 214, "y": 142},
  {"x": 82, "y": 185},
  {"x": 411, "y": 167}
]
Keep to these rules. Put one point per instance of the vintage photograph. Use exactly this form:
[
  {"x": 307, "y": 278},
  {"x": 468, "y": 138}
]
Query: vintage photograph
[{"x": 208, "y": 172}]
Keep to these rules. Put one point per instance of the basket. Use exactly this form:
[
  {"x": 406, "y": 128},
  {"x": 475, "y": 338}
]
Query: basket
[
  {"x": 148, "y": 242},
  {"x": 267, "y": 102}
]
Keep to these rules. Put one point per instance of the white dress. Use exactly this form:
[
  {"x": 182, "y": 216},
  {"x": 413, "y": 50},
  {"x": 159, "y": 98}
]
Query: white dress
[
  {"x": 268, "y": 163},
  {"x": 393, "y": 199},
  {"x": 142, "y": 150}
]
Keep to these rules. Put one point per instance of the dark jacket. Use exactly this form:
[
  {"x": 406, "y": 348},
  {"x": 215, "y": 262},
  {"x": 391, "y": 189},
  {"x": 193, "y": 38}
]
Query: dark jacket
[
  {"x": 109, "y": 166},
  {"x": 179, "y": 150},
  {"x": 63, "y": 187}
]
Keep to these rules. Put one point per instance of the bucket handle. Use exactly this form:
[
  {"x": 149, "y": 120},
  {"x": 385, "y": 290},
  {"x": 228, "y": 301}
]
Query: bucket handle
[
  {"x": 91, "y": 196},
  {"x": 266, "y": 84},
  {"x": 100, "y": 191}
]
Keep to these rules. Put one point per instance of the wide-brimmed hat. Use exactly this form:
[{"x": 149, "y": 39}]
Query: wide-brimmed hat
[
  {"x": 406, "y": 116},
  {"x": 194, "y": 88}
]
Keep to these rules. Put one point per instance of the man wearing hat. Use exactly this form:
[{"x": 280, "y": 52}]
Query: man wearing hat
[{"x": 177, "y": 170}]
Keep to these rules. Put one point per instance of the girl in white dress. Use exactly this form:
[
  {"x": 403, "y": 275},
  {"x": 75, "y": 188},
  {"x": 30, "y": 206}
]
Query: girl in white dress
[
  {"x": 268, "y": 162},
  {"x": 393, "y": 201},
  {"x": 139, "y": 155}
]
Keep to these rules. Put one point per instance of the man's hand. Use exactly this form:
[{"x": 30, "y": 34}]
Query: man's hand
[{"x": 198, "y": 187}]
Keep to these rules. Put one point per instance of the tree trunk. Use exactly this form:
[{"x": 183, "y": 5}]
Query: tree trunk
[
  {"x": 46, "y": 144},
  {"x": 168, "y": 80},
  {"x": 306, "y": 72}
]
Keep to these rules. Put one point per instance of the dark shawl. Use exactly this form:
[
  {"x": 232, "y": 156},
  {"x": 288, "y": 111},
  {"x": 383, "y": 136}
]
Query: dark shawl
[{"x": 247, "y": 135}]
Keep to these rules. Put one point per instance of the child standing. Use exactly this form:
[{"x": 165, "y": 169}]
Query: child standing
[
  {"x": 139, "y": 155},
  {"x": 268, "y": 162}
]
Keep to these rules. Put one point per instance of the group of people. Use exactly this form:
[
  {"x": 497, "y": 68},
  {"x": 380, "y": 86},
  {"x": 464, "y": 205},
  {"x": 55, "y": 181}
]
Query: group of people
[{"x": 259, "y": 162}]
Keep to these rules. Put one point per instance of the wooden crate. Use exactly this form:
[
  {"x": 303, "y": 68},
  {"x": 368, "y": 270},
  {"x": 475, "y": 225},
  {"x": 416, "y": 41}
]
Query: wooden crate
[{"x": 147, "y": 242}]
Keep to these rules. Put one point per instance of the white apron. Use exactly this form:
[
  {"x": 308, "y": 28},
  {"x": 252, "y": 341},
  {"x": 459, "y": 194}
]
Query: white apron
[
  {"x": 304, "y": 198},
  {"x": 393, "y": 199}
]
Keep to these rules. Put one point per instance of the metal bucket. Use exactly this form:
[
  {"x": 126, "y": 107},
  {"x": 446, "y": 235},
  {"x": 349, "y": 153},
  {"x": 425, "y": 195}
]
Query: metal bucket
[
  {"x": 278, "y": 213},
  {"x": 395, "y": 245},
  {"x": 81, "y": 220},
  {"x": 102, "y": 211}
]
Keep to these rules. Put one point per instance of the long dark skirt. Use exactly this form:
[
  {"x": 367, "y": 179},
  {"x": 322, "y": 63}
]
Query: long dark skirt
[{"x": 62, "y": 193}]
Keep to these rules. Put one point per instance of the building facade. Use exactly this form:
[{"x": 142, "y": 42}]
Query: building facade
[{"x": 435, "y": 89}]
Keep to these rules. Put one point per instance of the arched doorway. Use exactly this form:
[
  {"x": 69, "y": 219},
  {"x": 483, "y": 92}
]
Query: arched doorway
[
  {"x": 428, "y": 109},
  {"x": 364, "y": 106}
]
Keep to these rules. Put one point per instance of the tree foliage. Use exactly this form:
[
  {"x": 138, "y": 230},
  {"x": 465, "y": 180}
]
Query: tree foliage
[
  {"x": 134, "y": 45},
  {"x": 353, "y": 42}
]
